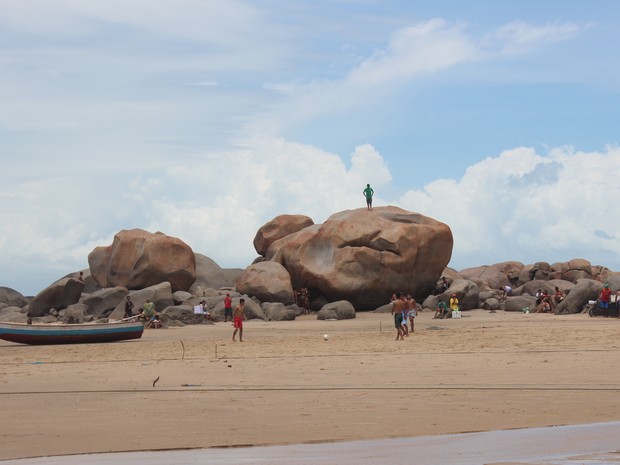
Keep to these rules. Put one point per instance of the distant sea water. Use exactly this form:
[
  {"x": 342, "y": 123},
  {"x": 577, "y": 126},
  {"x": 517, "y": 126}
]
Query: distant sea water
[{"x": 594, "y": 444}]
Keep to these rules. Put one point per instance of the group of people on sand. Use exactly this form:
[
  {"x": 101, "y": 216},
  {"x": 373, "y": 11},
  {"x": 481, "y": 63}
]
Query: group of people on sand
[
  {"x": 151, "y": 318},
  {"x": 546, "y": 303},
  {"x": 443, "y": 310},
  {"x": 404, "y": 309},
  {"x": 147, "y": 313}
]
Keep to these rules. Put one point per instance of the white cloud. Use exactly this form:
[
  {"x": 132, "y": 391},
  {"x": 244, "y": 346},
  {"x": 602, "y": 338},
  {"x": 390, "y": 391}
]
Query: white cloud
[
  {"x": 520, "y": 36},
  {"x": 524, "y": 206}
]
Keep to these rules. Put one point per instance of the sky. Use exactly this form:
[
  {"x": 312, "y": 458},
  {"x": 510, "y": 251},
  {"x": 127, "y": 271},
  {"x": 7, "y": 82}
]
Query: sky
[{"x": 206, "y": 119}]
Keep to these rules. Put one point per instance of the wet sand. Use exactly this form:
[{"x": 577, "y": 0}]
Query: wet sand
[
  {"x": 286, "y": 385},
  {"x": 563, "y": 445}
]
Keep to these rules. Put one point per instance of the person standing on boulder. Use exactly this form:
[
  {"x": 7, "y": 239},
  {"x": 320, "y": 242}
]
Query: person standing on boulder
[
  {"x": 238, "y": 317},
  {"x": 368, "y": 193}
]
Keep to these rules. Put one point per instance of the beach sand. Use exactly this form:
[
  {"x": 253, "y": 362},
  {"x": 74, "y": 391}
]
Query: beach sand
[{"x": 286, "y": 385}]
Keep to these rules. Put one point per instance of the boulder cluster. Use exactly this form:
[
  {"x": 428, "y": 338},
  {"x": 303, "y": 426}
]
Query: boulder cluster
[
  {"x": 360, "y": 256},
  {"x": 482, "y": 287},
  {"x": 354, "y": 261}
]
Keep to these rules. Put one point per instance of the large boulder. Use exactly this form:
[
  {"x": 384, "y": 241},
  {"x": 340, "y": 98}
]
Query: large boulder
[
  {"x": 499, "y": 274},
  {"x": 267, "y": 281},
  {"x": 613, "y": 279},
  {"x": 61, "y": 294},
  {"x": 138, "y": 259},
  {"x": 584, "y": 291},
  {"x": 576, "y": 269},
  {"x": 209, "y": 275},
  {"x": 12, "y": 298},
  {"x": 102, "y": 302},
  {"x": 531, "y": 287},
  {"x": 281, "y": 226},
  {"x": 363, "y": 256},
  {"x": 538, "y": 271}
]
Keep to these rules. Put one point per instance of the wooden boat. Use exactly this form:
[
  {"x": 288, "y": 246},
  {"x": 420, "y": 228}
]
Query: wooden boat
[{"x": 39, "y": 334}]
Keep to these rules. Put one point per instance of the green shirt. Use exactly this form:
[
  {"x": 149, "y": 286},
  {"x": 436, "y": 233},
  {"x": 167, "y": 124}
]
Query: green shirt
[
  {"x": 148, "y": 309},
  {"x": 368, "y": 192}
]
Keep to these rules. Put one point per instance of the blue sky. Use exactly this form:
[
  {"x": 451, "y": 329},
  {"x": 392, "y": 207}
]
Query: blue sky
[{"x": 204, "y": 120}]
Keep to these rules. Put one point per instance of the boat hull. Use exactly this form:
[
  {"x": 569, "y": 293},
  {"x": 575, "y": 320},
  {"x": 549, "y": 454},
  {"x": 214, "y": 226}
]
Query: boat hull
[{"x": 70, "y": 334}]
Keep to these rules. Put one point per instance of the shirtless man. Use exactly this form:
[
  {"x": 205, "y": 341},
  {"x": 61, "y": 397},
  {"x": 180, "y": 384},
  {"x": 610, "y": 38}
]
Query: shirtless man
[
  {"x": 238, "y": 317},
  {"x": 398, "y": 307}
]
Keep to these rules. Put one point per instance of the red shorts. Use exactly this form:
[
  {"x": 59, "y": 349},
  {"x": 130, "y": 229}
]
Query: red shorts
[{"x": 238, "y": 322}]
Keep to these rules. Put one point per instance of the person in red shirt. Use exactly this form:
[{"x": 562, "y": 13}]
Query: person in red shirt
[
  {"x": 227, "y": 308},
  {"x": 603, "y": 300}
]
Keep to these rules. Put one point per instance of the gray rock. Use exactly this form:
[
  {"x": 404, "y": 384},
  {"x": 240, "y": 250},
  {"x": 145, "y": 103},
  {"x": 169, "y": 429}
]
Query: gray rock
[
  {"x": 326, "y": 314},
  {"x": 181, "y": 296},
  {"x": 12, "y": 298},
  {"x": 210, "y": 275},
  {"x": 13, "y": 314},
  {"x": 101, "y": 303},
  {"x": 74, "y": 313},
  {"x": 343, "y": 310},
  {"x": 518, "y": 303},
  {"x": 61, "y": 294},
  {"x": 183, "y": 313},
  {"x": 466, "y": 291},
  {"x": 584, "y": 291},
  {"x": 277, "y": 311}
]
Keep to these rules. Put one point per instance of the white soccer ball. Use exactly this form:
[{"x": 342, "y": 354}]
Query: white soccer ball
[{"x": 325, "y": 337}]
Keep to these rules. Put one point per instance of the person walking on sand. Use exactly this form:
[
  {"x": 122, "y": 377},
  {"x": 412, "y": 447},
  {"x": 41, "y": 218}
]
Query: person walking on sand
[
  {"x": 413, "y": 311},
  {"x": 238, "y": 317},
  {"x": 368, "y": 193},
  {"x": 398, "y": 307}
]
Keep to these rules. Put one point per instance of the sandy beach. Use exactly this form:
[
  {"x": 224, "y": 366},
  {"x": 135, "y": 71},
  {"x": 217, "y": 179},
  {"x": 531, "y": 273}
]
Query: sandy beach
[{"x": 286, "y": 385}]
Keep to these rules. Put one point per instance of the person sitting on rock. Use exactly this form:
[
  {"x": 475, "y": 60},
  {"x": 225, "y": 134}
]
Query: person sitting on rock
[
  {"x": 544, "y": 306},
  {"x": 155, "y": 322},
  {"x": 539, "y": 297}
]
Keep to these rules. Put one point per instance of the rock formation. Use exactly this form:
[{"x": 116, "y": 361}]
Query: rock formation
[
  {"x": 59, "y": 295},
  {"x": 138, "y": 259},
  {"x": 281, "y": 226},
  {"x": 364, "y": 256},
  {"x": 267, "y": 281}
]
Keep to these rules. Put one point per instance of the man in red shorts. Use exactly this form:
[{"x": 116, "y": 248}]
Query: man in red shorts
[{"x": 238, "y": 317}]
